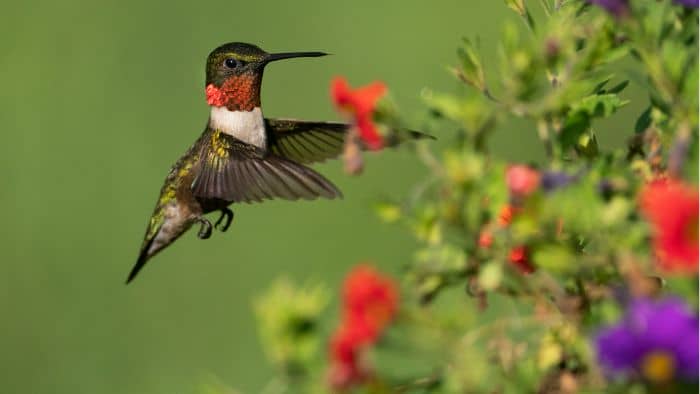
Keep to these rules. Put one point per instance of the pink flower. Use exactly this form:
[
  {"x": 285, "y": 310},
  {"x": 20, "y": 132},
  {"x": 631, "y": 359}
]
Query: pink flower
[
  {"x": 485, "y": 239},
  {"x": 522, "y": 180}
]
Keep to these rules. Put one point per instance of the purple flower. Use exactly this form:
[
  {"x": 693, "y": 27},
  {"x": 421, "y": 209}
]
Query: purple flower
[
  {"x": 615, "y": 7},
  {"x": 552, "y": 180},
  {"x": 655, "y": 339},
  {"x": 688, "y": 3}
]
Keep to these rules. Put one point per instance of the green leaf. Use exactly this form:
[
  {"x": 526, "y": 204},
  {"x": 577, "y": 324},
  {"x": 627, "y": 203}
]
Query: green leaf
[
  {"x": 435, "y": 267},
  {"x": 555, "y": 258},
  {"x": 643, "y": 122},
  {"x": 490, "y": 276},
  {"x": 549, "y": 354},
  {"x": 675, "y": 56},
  {"x": 587, "y": 145},
  {"x": 578, "y": 120},
  {"x": 599, "y": 105},
  {"x": 616, "y": 211},
  {"x": 463, "y": 166},
  {"x": 442, "y": 259},
  {"x": 619, "y": 87},
  {"x": 575, "y": 125},
  {"x": 388, "y": 212},
  {"x": 516, "y": 5},
  {"x": 578, "y": 206},
  {"x": 425, "y": 224},
  {"x": 600, "y": 87},
  {"x": 472, "y": 70},
  {"x": 519, "y": 7}
]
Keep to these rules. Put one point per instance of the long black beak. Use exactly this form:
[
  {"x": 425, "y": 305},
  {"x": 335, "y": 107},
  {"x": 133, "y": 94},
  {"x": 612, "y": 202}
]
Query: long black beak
[{"x": 289, "y": 55}]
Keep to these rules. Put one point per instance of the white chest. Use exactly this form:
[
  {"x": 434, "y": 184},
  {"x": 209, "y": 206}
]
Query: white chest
[{"x": 247, "y": 126}]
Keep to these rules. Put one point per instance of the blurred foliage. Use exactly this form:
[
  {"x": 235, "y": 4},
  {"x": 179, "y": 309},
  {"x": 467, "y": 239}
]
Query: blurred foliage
[
  {"x": 521, "y": 264},
  {"x": 288, "y": 319}
]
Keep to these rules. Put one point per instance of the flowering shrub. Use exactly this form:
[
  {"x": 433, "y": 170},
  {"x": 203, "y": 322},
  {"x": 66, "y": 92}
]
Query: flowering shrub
[{"x": 574, "y": 273}]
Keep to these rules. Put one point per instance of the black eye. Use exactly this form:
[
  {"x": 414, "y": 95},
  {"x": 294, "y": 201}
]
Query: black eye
[{"x": 230, "y": 62}]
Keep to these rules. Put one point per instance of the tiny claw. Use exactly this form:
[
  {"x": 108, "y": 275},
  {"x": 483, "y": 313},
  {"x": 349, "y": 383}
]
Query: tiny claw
[
  {"x": 226, "y": 214},
  {"x": 205, "y": 230}
]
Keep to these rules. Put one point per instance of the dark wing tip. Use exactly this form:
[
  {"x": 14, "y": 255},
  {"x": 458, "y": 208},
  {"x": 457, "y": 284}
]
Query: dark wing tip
[
  {"x": 397, "y": 138},
  {"x": 331, "y": 191},
  {"x": 338, "y": 194},
  {"x": 419, "y": 135}
]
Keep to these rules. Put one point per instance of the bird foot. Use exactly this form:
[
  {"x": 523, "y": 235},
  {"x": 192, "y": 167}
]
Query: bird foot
[
  {"x": 224, "y": 221},
  {"x": 205, "y": 230}
]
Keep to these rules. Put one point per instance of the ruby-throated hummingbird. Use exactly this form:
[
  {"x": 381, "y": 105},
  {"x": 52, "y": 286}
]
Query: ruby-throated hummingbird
[{"x": 241, "y": 156}]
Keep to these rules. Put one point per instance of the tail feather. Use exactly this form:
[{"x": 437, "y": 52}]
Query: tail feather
[
  {"x": 163, "y": 230},
  {"x": 143, "y": 258}
]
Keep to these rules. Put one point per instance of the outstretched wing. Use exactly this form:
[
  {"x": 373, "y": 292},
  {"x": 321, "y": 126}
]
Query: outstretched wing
[
  {"x": 234, "y": 171},
  {"x": 311, "y": 142},
  {"x": 305, "y": 142}
]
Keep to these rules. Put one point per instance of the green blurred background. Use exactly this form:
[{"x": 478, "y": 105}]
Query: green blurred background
[{"x": 100, "y": 98}]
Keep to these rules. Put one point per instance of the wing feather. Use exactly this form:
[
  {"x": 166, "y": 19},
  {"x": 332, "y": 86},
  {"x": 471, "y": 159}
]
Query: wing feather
[
  {"x": 310, "y": 142},
  {"x": 234, "y": 171},
  {"x": 305, "y": 142}
]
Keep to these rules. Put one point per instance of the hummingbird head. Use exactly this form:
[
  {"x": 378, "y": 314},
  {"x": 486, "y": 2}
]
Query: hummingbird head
[{"x": 234, "y": 74}]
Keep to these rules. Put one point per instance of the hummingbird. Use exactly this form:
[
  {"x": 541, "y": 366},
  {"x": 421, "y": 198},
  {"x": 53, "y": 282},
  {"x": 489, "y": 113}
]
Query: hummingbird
[{"x": 241, "y": 156}]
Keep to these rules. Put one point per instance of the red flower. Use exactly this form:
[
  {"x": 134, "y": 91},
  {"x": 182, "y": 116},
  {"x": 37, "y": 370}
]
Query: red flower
[
  {"x": 370, "y": 300},
  {"x": 672, "y": 209},
  {"x": 344, "y": 347},
  {"x": 522, "y": 180},
  {"x": 520, "y": 258},
  {"x": 360, "y": 103},
  {"x": 369, "y": 303},
  {"x": 344, "y": 353}
]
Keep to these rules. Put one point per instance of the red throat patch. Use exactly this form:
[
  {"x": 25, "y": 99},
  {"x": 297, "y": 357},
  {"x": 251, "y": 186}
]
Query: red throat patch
[{"x": 238, "y": 93}]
